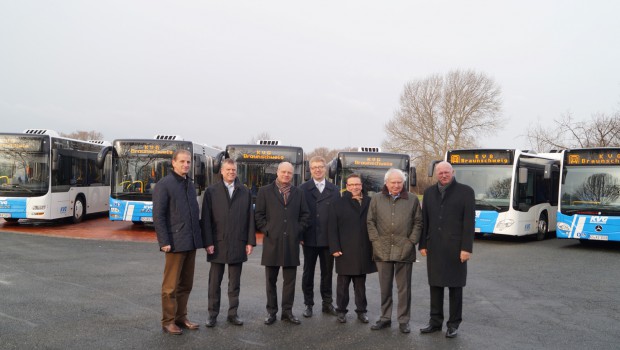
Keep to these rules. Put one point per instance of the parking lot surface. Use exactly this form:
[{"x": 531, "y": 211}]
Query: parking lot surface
[{"x": 64, "y": 293}]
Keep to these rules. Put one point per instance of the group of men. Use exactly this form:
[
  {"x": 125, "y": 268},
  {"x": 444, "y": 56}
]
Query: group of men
[{"x": 360, "y": 235}]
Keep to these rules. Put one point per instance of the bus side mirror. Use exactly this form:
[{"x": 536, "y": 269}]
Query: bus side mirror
[
  {"x": 413, "y": 180},
  {"x": 564, "y": 172},
  {"x": 431, "y": 167},
  {"x": 55, "y": 159},
  {"x": 331, "y": 168},
  {"x": 548, "y": 168},
  {"x": 217, "y": 162},
  {"x": 306, "y": 170},
  {"x": 101, "y": 156},
  {"x": 522, "y": 175}
]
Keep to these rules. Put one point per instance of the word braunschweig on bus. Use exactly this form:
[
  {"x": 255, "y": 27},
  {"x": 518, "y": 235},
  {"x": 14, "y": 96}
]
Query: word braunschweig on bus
[
  {"x": 373, "y": 163},
  {"x": 150, "y": 151},
  {"x": 263, "y": 156}
]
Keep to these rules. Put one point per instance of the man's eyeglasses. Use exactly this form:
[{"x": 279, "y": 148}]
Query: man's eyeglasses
[{"x": 354, "y": 184}]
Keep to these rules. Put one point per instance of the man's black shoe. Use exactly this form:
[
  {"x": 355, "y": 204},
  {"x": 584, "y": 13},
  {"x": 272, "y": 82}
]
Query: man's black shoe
[
  {"x": 271, "y": 318},
  {"x": 430, "y": 329},
  {"x": 290, "y": 318},
  {"x": 380, "y": 325},
  {"x": 362, "y": 317},
  {"x": 404, "y": 328},
  {"x": 235, "y": 320},
  {"x": 342, "y": 317},
  {"x": 329, "y": 309},
  {"x": 308, "y": 311},
  {"x": 211, "y": 321},
  {"x": 451, "y": 332}
]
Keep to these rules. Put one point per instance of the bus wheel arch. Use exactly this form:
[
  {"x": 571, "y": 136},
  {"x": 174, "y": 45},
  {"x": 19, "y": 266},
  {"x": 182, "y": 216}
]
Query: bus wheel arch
[
  {"x": 543, "y": 226},
  {"x": 79, "y": 209}
]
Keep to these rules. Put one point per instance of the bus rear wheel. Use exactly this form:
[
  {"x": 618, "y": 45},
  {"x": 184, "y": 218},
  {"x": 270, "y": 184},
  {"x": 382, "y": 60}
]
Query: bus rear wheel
[
  {"x": 11, "y": 220},
  {"x": 543, "y": 227},
  {"x": 79, "y": 210}
]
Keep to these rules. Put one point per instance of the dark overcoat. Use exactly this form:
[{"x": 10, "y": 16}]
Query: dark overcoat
[
  {"x": 319, "y": 205},
  {"x": 176, "y": 214},
  {"x": 282, "y": 224},
  {"x": 228, "y": 223},
  {"x": 449, "y": 225},
  {"x": 348, "y": 234}
]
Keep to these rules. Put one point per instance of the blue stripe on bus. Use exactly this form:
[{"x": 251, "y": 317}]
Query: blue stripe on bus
[
  {"x": 592, "y": 227},
  {"x": 121, "y": 210},
  {"x": 13, "y": 208},
  {"x": 486, "y": 220}
]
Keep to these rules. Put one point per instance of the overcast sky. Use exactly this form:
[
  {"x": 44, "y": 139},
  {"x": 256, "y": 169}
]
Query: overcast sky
[{"x": 311, "y": 74}]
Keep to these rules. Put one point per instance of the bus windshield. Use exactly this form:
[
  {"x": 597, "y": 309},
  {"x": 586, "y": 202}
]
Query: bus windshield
[
  {"x": 139, "y": 166},
  {"x": 592, "y": 188},
  {"x": 255, "y": 175},
  {"x": 491, "y": 184},
  {"x": 372, "y": 178},
  {"x": 24, "y": 167}
]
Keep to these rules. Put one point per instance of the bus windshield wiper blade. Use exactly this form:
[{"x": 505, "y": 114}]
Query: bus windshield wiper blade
[{"x": 487, "y": 203}]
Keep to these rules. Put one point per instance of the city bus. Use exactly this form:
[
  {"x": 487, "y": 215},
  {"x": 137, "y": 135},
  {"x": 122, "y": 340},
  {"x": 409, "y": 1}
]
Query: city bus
[
  {"x": 371, "y": 164},
  {"x": 589, "y": 206},
  {"x": 137, "y": 165},
  {"x": 516, "y": 191},
  {"x": 45, "y": 177},
  {"x": 257, "y": 164}
]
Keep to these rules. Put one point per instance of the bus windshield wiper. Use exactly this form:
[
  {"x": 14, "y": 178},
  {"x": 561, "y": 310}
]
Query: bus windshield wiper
[
  {"x": 15, "y": 187},
  {"x": 487, "y": 203}
]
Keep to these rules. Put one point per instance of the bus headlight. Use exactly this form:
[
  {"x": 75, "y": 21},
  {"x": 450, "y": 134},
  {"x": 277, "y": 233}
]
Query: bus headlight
[
  {"x": 563, "y": 226},
  {"x": 504, "y": 224},
  {"x": 38, "y": 207}
]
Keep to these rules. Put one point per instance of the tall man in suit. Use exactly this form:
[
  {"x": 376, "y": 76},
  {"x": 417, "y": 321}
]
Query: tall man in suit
[
  {"x": 319, "y": 194},
  {"x": 228, "y": 225},
  {"x": 282, "y": 216},
  {"x": 449, "y": 213},
  {"x": 176, "y": 221}
]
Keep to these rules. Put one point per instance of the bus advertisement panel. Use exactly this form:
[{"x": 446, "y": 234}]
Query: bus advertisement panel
[
  {"x": 257, "y": 164},
  {"x": 516, "y": 191},
  {"x": 45, "y": 176},
  {"x": 590, "y": 195}
]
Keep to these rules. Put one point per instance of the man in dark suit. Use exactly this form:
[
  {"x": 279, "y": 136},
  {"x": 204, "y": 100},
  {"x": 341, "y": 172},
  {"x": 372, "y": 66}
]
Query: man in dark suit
[
  {"x": 228, "y": 225},
  {"x": 281, "y": 215},
  {"x": 350, "y": 245},
  {"x": 319, "y": 194},
  {"x": 448, "y": 209},
  {"x": 176, "y": 221}
]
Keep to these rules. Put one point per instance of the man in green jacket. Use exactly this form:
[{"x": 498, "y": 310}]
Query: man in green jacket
[{"x": 394, "y": 228}]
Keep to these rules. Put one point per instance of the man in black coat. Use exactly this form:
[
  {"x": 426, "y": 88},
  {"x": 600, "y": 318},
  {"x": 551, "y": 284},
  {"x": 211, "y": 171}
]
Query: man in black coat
[
  {"x": 228, "y": 225},
  {"x": 281, "y": 215},
  {"x": 319, "y": 194},
  {"x": 448, "y": 210},
  {"x": 350, "y": 245},
  {"x": 176, "y": 221}
]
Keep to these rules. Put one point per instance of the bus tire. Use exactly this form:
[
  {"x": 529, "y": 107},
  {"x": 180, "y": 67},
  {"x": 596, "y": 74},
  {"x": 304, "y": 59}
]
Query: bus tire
[
  {"x": 79, "y": 210},
  {"x": 138, "y": 222},
  {"x": 543, "y": 227},
  {"x": 11, "y": 220}
]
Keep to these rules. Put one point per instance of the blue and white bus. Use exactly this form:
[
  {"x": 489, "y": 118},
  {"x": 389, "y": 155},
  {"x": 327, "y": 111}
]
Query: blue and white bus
[
  {"x": 44, "y": 176},
  {"x": 589, "y": 206},
  {"x": 137, "y": 165},
  {"x": 516, "y": 191}
]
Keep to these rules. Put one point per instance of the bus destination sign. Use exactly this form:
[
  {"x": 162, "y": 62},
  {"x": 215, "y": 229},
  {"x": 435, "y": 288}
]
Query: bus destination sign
[
  {"x": 20, "y": 144},
  {"x": 593, "y": 157},
  {"x": 262, "y": 155},
  {"x": 149, "y": 149},
  {"x": 481, "y": 157}
]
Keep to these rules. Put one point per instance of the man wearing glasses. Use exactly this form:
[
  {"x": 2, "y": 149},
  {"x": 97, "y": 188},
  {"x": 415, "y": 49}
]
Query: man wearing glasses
[{"x": 319, "y": 194}]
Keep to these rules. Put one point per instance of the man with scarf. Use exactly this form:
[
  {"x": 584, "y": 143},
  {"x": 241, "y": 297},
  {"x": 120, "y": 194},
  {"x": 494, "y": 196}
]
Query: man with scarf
[
  {"x": 448, "y": 209},
  {"x": 282, "y": 216},
  {"x": 394, "y": 228}
]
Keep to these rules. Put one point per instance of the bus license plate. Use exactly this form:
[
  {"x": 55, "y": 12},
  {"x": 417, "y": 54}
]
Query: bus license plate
[
  {"x": 599, "y": 238},
  {"x": 146, "y": 219},
  {"x": 477, "y": 230},
  {"x": 5, "y": 215}
]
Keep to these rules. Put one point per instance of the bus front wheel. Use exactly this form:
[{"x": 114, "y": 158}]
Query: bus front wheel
[
  {"x": 11, "y": 220},
  {"x": 543, "y": 227},
  {"x": 79, "y": 210}
]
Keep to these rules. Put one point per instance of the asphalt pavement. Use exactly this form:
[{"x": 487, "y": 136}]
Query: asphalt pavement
[{"x": 60, "y": 293}]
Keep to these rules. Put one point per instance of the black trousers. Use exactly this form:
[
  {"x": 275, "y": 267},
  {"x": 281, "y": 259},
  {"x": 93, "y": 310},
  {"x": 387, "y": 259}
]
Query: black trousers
[
  {"x": 456, "y": 306},
  {"x": 289, "y": 273},
  {"x": 326, "y": 264},
  {"x": 342, "y": 293},
  {"x": 216, "y": 274}
]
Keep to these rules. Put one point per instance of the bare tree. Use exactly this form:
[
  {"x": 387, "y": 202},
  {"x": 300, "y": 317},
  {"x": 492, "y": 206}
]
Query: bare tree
[
  {"x": 84, "y": 135},
  {"x": 327, "y": 153},
  {"x": 601, "y": 130},
  {"x": 439, "y": 113},
  {"x": 264, "y": 135}
]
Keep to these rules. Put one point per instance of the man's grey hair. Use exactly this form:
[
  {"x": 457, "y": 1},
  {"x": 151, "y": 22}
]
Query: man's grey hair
[{"x": 394, "y": 171}]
